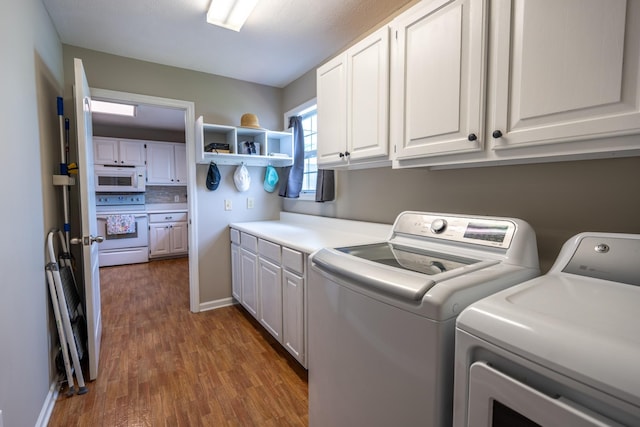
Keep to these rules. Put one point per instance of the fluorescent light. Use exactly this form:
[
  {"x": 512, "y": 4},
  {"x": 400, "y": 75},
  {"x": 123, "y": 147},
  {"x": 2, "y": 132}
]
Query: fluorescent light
[
  {"x": 113, "y": 108},
  {"x": 230, "y": 14}
]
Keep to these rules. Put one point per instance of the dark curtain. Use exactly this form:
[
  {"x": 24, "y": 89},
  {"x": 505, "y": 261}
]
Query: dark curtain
[
  {"x": 325, "y": 186},
  {"x": 292, "y": 182}
]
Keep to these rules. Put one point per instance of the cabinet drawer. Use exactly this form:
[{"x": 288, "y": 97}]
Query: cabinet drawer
[
  {"x": 293, "y": 260},
  {"x": 269, "y": 250},
  {"x": 249, "y": 242},
  {"x": 235, "y": 236},
  {"x": 168, "y": 217}
]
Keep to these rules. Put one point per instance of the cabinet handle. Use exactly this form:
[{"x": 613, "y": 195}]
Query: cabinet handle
[
  {"x": 341, "y": 155},
  {"x": 497, "y": 134},
  {"x": 346, "y": 153},
  {"x": 472, "y": 137}
]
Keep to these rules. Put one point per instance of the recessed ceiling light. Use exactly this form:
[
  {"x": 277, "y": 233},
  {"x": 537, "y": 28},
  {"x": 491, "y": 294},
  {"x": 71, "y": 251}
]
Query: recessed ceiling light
[
  {"x": 113, "y": 108},
  {"x": 230, "y": 14}
]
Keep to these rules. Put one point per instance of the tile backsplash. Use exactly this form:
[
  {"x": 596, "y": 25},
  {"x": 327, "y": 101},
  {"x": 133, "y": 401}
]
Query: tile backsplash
[{"x": 165, "y": 194}]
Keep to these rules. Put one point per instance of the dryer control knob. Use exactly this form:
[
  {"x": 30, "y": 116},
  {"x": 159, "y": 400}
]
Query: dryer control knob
[{"x": 438, "y": 226}]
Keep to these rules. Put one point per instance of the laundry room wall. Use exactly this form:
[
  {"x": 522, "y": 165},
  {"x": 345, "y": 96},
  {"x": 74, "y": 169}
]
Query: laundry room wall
[
  {"x": 219, "y": 100},
  {"x": 32, "y": 78},
  {"x": 558, "y": 199}
]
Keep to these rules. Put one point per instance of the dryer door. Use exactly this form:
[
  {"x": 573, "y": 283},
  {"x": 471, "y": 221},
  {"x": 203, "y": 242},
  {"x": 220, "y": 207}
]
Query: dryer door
[{"x": 496, "y": 399}]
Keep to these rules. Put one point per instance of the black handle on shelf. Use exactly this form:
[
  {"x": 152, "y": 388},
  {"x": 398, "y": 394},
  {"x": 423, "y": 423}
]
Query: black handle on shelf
[
  {"x": 472, "y": 137},
  {"x": 497, "y": 134}
]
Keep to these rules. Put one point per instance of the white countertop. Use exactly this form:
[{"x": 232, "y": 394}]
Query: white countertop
[
  {"x": 166, "y": 207},
  {"x": 308, "y": 233}
]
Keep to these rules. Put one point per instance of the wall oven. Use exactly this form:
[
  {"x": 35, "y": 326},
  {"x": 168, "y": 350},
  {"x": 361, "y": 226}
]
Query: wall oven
[
  {"x": 120, "y": 178},
  {"x": 123, "y": 222}
]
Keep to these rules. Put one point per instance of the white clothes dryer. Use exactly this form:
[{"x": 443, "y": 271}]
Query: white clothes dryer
[{"x": 561, "y": 349}]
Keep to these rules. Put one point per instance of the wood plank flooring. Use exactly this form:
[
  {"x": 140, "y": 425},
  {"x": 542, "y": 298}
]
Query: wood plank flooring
[{"x": 162, "y": 365}]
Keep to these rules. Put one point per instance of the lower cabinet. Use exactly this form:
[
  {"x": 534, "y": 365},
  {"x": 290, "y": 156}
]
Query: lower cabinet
[
  {"x": 269, "y": 281},
  {"x": 168, "y": 235}
]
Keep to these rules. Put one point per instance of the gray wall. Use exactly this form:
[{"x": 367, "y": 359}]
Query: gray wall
[
  {"x": 221, "y": 101},
  {"x": 31, "y": 79},
  {"x": 557, "y": 199}
]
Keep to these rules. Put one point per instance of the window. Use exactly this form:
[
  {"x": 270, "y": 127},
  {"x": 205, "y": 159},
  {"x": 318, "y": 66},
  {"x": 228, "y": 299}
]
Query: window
[
  {"x": 308, "y": 112},
  {"x": 310, "y": 128}
]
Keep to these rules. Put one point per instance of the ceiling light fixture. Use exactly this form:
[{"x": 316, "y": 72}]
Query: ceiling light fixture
[
  {"x": 230, "y": 14},
  {"x": 116, "y": 108}
]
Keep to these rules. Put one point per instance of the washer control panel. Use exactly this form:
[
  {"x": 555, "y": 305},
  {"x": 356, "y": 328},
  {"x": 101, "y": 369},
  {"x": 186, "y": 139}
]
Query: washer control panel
[{"x": 494, "y": 232}]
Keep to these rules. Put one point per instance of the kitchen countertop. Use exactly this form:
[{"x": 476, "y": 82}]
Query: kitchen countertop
[
  {"x": 166, "y": 207},
  {"x": 309, "y": 233}
]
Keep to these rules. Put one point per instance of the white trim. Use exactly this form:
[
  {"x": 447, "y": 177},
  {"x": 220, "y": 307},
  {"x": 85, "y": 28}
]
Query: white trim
[
  {"x": 212, "y": 305},
  {"x": 295, "y": 110},
  {"x": 189, "y": 109},
  {"x": 47, "y": 407}
]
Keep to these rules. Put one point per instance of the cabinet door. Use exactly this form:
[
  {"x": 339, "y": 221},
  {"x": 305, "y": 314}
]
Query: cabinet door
[
  {"x": 180, "y": 157},
  {"x": 236, "y": 274},
  {"x": 564, "y": 71},
  {"x": 249, "y": 272},
  {"x": 332, "y": 111},
  {"x": 439, "y": 72},
  {"x": 179, "y": 238},
  {"x": 368, "y": 97},
  {"x": 132, "y": 153},
  {"x": 159, "y": 239},
  {"x": 160, "y": 163},
  {"x": 270, "y": 283},
  {"x": 105, "y": 151},
  {"x": 293, "y": 315}
]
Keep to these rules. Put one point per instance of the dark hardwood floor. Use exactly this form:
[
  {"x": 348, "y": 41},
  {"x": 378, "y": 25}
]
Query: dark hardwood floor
[{"x": 162, "y": 365}]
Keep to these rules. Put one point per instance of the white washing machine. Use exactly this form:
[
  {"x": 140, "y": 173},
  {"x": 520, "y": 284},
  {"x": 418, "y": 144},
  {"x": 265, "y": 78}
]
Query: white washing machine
[
  {"x": 562, "y": 349},
  {"x": 382, "y": 316}
]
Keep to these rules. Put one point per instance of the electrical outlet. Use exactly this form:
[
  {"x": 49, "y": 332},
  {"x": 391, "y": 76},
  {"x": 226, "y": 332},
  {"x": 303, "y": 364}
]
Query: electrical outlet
[
  {"x": 228, "y": 205},
  {"x": 249, "y": 202}
]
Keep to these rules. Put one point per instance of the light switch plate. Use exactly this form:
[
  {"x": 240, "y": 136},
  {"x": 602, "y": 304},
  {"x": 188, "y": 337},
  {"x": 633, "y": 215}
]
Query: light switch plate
[
  {"x": 250, "y": 203},
  {"x": 228, "y": 205}
]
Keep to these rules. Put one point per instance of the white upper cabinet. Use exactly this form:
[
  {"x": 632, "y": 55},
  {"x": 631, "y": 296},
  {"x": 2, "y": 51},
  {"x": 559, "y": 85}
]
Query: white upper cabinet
[
  {"x": 166, "y": 163},
  {"x": 561, "y": 81},
  {"x": 438, "y": 63},
  {"x": 353, "y": 105},
  {"x": 121, "y": 152},
  {"x": 564, "y": 70}
]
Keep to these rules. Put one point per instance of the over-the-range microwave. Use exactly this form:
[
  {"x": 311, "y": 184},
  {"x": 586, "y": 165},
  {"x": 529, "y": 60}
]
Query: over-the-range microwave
[{"x": 120, "y": 178}]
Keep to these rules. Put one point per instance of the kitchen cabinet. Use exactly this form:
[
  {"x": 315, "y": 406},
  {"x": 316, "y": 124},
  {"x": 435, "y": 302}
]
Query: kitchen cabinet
[
  {"x": 166, "y": 163},
  {"x": 569, "y": 91},
  {"x": 353, "y": 105},
  {"x": 236, "y": 290},
  {"x": 269, "y": 281},
  {"x": 249, "y": 273},
  {"x": 121, "y": 152},
  {"x": 273, "y": 148},
  {"x": 293, "y": 295},
  {"x": 437, "y": 88},
  {"x": 168, "y": 234},
  {"x": 270, "y": 287}
]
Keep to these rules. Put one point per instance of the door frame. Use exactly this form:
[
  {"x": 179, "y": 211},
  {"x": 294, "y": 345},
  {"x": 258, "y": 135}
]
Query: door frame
[{"x": 189, "y": 109}]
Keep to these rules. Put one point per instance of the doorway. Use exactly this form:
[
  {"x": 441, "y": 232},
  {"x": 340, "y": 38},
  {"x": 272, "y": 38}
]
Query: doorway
[{"x": 167, "y": 120}]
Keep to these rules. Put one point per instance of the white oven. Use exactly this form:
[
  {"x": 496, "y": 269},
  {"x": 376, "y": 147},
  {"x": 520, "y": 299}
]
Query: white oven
[
  {"x": 124, "y": 223},
  {"x": 119, "y": 179}
]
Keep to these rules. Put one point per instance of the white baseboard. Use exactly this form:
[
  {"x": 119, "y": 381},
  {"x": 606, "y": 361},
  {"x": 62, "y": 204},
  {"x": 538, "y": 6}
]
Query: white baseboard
[
  {"x": 212, "y": 305},
  {"x": 47, "y": 407}
]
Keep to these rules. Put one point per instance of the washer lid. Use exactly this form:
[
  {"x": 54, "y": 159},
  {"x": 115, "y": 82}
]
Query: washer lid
[
  {"x": 376, "y": 268},
  {"x": 583, "y": 327}
]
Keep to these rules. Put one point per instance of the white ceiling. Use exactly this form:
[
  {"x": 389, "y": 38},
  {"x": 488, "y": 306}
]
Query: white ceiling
[{"x": 281, "y": 41}]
